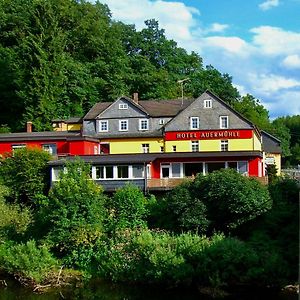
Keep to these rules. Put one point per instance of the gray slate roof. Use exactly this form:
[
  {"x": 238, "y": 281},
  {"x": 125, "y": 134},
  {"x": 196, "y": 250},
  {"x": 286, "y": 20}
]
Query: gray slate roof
[
  {"x": 155, "y": 108},
  {"x": 107, "y": 159}
]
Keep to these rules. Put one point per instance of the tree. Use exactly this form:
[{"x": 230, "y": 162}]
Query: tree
[
  {"x": 25, "y": 173},
  {"x": 75, "y": 211},
  {"x": 181, "y": 210},
  {"x": 127, "y": 208},
  {"x": 14, "y": 219},
  {"x": 231, "y": 199},
  {"x": 251, "y": 109}
]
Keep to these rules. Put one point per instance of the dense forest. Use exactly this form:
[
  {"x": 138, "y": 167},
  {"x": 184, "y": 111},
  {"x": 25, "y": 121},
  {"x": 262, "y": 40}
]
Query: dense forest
[{"x": 59, "y": 57}]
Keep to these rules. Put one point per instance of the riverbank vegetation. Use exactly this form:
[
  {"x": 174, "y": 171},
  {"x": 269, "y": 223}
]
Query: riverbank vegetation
[{"x": 219, "y": 231}]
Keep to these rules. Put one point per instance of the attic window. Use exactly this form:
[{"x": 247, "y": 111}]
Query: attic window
[
  {"x": 161, "y": 121},
  {"x": 123, "y": 106},
  {"x": 207, "y": 104}
]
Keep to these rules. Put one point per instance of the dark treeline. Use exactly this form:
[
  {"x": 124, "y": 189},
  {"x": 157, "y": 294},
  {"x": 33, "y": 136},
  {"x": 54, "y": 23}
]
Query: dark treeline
[
  {"x": 220, "y": 231},
  {"x": 59, "y": 57}
]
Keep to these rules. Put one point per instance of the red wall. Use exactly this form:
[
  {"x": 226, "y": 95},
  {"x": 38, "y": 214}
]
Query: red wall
[
  {"x": 63, "y": 147},
  {"x": 252, "y": 163}
]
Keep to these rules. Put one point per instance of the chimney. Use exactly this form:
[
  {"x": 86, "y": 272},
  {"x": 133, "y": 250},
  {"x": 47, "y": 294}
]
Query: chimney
[
  {"x": 136, "y": 97},
  {"x": 29, "y": 126}
]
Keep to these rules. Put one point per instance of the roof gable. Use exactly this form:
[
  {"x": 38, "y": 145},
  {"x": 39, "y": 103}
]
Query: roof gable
[{"x": 209, "y": 117}]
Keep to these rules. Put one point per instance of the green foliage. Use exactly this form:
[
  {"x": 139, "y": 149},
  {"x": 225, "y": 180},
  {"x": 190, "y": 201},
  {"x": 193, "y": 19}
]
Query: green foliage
[
  {"x": 159, "y": 257},
  {"x": 127, "y": 208},
  {"x": 181, "y": 210},
  {"x": 231, "y": 199},
  {"x": 220, "y": 201},
  {"x": 25, "y": 173},
  {"x": 75, "y": 211},
  {"x": 254, "y": 111},
  {"x": 14, "y": 219},
  {"x": 27, "y": 260}
]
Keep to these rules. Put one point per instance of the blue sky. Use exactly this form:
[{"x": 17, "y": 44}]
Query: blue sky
[{"x": 257, "y": 42}]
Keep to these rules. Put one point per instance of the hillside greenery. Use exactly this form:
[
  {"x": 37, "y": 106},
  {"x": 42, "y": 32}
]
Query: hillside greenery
[{"x": 59, "y": 57}]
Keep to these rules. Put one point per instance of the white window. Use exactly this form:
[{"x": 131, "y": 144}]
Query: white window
[
  {"x": 161, "y": 121},
  {"x": 123, "y": 106},
  {"x": 50, "y": 148},
  {"x": 223, "y": 122},
  {"x": 123, "y": 125},
  {"x": 145, "y": 148},
  {"x": 143, "y": 124},
  {"x": 195, "y": 146},
  {"x": 207, "y": 104},
  {"x": 194, "y": 122},
  {"x": 224, "y": 145},
  {"x": 103, "y": 126},
  {"x": 18, "y": 146},
  {"x": 123, "y": 172}
]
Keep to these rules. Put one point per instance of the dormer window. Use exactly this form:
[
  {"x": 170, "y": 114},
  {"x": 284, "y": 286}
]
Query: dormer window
[
  {"x": 194, "y": 122},
  {"x": 207, "y": 103},
  {"x": 123, "y": 106}
]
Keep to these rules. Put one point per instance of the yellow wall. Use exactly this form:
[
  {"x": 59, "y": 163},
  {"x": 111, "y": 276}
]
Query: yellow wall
[
  {"x": 213, "y": 145},
  {"x": 128, "y": 146},
  {"x": 277, "y": 158},
  {"x": 257, "y": 143},
  {"x": 74, "y": 127}
]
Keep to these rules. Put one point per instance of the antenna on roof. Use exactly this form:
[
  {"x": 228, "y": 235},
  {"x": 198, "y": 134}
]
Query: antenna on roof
[{"x": 181, "y": 83}]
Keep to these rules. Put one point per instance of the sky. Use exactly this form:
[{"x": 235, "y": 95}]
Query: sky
[{"x": 257, "y": 42}]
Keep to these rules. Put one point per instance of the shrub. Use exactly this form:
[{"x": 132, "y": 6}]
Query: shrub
[
  {"x": 231, "y": 199},
  {"x": 180, "y": 210},
  {"x": 127, "y": 208},
  {"x": 75, "y": 211},
  {"x": 27, "y": 260},
  {"x": 25, "y": 173},
  {"x": 14, "y": 219}
]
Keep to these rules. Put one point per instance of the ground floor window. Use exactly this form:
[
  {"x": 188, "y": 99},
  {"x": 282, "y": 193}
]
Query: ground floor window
[{"x": 50, "y": 148}]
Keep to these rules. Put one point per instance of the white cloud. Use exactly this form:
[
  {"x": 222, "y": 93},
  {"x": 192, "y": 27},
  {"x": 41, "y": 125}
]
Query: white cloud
[
  {"x": 268, "y": 4},
  {"x": 217, "y": 27},
  {"x": 284, "y": 104},
  {"x": 276, "y": 41},
  {"x": 267, "y": 84},
  {"x": 231, "y": 44},
  {"x": 175, "y": 17},
  {"x": 292, "y": 61}
]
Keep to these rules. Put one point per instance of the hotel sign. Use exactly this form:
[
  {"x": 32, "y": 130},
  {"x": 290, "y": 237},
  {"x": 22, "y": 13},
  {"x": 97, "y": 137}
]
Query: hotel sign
[{"x": 209, "y": 135}]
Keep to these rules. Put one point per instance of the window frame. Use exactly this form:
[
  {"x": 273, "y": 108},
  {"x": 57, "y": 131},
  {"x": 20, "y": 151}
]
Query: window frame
[
  {"x": 123, "y": 106},
  {"x": 141, "y": 123},
  {"x": 224, "y": 145},
  {"x": 221, "y": 122},
  {"x": 52, "y": 146},
  {"x": 101, "y": 122},
  {"x": 146, "y": 148},
  {"x": 191, "y": 123},
  {"x": 120, "y": 125},
  {"x": 195, "y": 144},
  {"x": 206, "y": 101}
]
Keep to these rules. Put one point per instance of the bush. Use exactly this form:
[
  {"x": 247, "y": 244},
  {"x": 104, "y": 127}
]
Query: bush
[
  {"x": 231, "y": 199},
  {"x": 14, "y": 219},
  {"x": 127, "y": 208},
  {"x": 27, "y": 260},
  {"x": 26, "y": 174},
  {"x": 180, "y": 210},
  {"x": 75, "y": 211}
]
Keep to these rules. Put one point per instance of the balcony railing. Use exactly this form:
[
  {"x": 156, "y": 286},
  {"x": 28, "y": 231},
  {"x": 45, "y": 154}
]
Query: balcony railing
[{"x": 165, "y": 184}]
